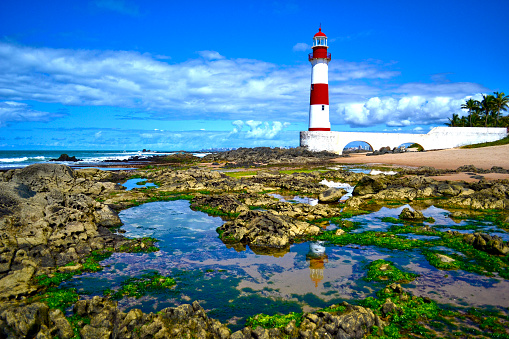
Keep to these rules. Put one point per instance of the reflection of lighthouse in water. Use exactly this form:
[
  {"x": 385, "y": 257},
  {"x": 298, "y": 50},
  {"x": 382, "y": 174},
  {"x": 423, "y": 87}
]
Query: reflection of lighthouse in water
[{"x": 317, "y": 259}]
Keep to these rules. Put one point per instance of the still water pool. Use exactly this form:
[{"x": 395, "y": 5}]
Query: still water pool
[{"x": 232, "y": 284}]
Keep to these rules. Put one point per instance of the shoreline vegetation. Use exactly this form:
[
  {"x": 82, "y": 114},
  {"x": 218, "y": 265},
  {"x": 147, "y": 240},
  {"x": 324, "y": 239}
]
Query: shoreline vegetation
[
  {"x": 483, "y": 113},
  {"x": 57, "y": 222}
]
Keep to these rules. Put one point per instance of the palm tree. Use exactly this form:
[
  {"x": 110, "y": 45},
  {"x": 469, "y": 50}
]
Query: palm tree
[
  {"x": 486, "y": 106},
  {"x": 454, "y": 122},
  {"x": 500, "y": 103},
  {"x": 472, "y": 106}
]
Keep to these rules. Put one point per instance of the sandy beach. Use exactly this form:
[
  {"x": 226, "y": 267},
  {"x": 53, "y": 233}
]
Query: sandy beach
[{"x": 484, "y": 158}]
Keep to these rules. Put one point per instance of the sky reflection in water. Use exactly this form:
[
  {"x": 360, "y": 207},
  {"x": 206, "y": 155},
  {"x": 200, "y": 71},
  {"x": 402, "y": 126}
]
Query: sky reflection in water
[{"x": 232, "y": 285}]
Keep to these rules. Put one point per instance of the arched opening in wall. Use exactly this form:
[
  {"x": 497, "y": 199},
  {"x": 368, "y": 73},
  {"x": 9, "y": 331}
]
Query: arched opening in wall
[
  {"x": 411, "y": 147},
  {"x": 357, "y": 147}
]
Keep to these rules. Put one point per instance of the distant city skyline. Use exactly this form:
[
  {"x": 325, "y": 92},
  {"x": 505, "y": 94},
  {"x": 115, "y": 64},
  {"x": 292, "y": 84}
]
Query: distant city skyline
[{"x": 126, "y": 74}]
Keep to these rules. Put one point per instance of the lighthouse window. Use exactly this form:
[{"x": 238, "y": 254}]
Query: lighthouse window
[{"x": 323, "y": 107}]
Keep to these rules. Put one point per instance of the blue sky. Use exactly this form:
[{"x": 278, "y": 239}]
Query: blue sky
[{"x": 168, "y": 75}]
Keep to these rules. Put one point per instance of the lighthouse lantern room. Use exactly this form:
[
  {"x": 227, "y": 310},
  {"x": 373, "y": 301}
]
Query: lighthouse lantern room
[{"x": 319, "y": 99}]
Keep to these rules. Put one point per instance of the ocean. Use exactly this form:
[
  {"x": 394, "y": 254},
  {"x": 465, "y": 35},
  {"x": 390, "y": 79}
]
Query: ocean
[{"x": 19, "y": 159}]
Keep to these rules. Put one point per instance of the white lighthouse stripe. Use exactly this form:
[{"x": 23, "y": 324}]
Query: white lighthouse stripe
[
  {"x": 319, "y": 118},
  {"x": 320, "y": 73}
]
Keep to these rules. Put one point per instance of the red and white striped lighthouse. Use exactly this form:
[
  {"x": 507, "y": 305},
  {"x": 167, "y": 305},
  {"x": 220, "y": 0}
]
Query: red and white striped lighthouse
[{"x": 319, "y": 99}]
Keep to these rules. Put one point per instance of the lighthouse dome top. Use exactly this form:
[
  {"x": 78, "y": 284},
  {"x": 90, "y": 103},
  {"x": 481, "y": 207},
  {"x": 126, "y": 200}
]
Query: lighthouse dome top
[
  {"x": 320, "y": 33},
  {"x": 320, "y": 39}
]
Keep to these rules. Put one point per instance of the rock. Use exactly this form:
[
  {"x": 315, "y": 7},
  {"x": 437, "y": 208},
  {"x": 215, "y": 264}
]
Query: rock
[
  {"x": 107, "y": 217},
  {"x": 184, "y": 321},
  {"x": 226, "y": 203},
  {"x": 17, "y": 283},
  {"x": 369, "y": 185},
  {"x": 65, "y": 157},
  {"x": 331, "y": 195},
  {"x": 339, "y": 232},
  {"x": 487, "y": 243},
  {"x": 266, "y": 155},
  {"x": 44, "y": 177},
  {"x": 389, "y": 307},
  {"x": 264, "y": 229},
  {"x": 408, "y": 214},
  {"x": 89, "y": 332},
  {"x": 353, "y": 203},
  {"x": 444, "y": 258},
  {"x": 23, "y": 320},
  {"x": 61, "y": 326}
]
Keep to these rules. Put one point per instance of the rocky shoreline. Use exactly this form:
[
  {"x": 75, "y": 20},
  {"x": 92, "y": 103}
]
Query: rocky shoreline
[{"x": 56, "y": 221}]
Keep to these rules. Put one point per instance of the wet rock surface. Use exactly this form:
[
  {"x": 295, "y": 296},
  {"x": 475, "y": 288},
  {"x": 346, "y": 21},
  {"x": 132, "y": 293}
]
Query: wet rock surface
[
  {"x": 487, "y": 243},
  {"x": 409, "y": 214},
  {"x": 331, "y": 195},
  {"x": 268, "y": 155},
  {"x": 51, "y": 215},
  {"x": 355, "y": 322},
  {"x": 264, "y": 229}
]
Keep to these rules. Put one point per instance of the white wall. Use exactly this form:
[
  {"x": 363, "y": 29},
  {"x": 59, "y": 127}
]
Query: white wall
[{"x": 437, "y": 138}]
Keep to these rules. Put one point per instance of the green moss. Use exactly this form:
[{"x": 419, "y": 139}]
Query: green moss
[
  {"x": 335, "y": 309},
  {"x": 60, "y": 298},
  {"x": 370, "y": 238},
  {"x": 77, "y": 322},
  {"x": 273, "y": 321},
  {"x": 435, "y": 261},
  {"x": 54, "y": 279},
  {"x": 240, "y": 174},
  {"x": 90, "y": 264},
  {"x": 215, "y": 211},
  {"x": 139, "y": 286},
  {"x": 141, "y": 245},
  {"x": 381, "y": 270}
]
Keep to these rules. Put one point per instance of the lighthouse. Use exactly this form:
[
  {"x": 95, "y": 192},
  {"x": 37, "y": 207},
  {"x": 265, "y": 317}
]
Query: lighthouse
[
  {"x": 319, "y": 137},
  {"x": 319, "y": 98}
]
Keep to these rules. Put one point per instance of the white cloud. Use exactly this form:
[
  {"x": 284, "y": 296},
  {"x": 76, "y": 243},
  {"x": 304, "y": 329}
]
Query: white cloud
[
  {"x": 239, "y": 124},
  {"x": 406, "y": 111},
  {"x": 11, "y": 111},
  {"x": 210, "y": 55},
  {"x": 301, "y": 46},
  {"x": 213, "y": 84},
  {"x": 264, "y": 130},
  {"x": 194, "y": 88}
]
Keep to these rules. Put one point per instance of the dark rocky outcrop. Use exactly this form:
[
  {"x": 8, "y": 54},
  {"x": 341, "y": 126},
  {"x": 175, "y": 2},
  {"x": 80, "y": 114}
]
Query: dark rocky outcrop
[
  {"x": 184, "y": 321},
  {"x": 65, "y": 157},
  {"x": 49, "y": 218},
  {"x": 264, "y": 229},
  {"x": 225, "y": 203},
  {"x": 487, "y": 243},
  {"x": 355, "y": 323},
  {"x": 408, "y": 214},
  {"x": 476, "y": 195},
  {"x": 267, "y": 155},
  {"x": 331, "y": 195}
]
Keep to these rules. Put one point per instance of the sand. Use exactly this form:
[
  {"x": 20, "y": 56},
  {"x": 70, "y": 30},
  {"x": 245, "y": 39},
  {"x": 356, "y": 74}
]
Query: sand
[{"x": 485, "y": 158}]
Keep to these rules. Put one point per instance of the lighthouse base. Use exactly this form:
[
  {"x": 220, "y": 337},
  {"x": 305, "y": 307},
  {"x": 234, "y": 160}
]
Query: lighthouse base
[{"x": 317, "y": 141}]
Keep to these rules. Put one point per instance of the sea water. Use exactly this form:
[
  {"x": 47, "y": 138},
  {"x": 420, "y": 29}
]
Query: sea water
[{"x": 19, "y": 159}]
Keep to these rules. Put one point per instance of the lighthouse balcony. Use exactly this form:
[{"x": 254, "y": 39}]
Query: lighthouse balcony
[{"x": 327, "y": 56}]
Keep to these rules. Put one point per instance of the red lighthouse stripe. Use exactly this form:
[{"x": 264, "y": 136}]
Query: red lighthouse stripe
[
  {"x": 320, "y": 52},
  {"x": 319, "y": 94},
  {"x": 319, "y": 129}
]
